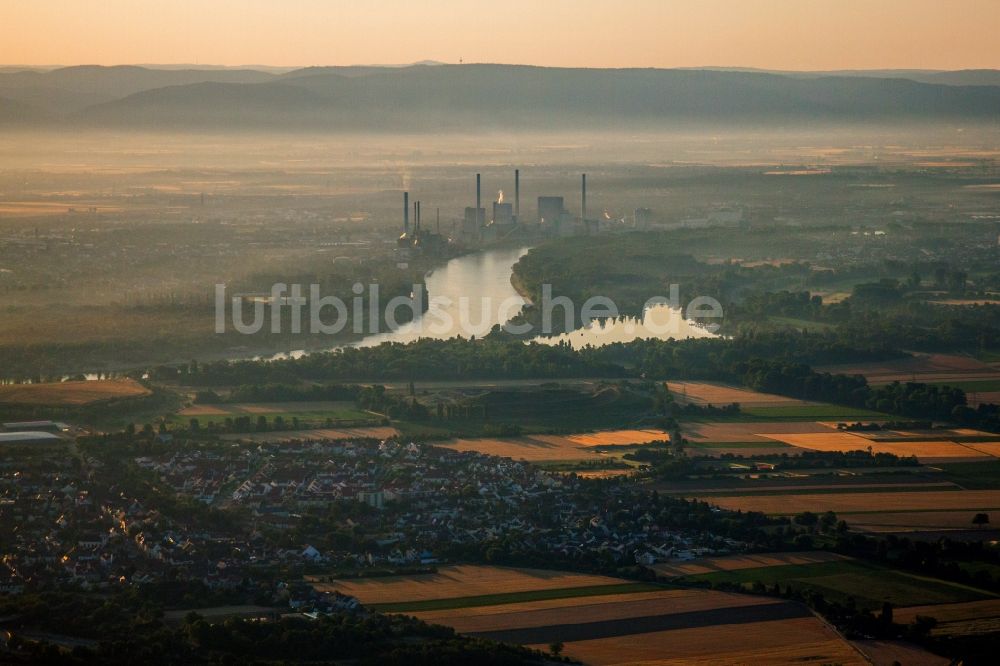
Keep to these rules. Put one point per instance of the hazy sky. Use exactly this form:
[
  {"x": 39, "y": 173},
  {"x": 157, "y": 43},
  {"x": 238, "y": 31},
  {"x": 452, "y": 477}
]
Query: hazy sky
[{"x": 778, "y": 34}]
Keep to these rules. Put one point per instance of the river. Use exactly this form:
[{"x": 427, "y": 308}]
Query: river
[
  {"x": 471, "y": 294},
  {"x": 468, "y": 296}
]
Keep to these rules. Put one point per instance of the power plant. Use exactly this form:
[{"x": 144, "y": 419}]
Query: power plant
[{"x": 504, "y": 224}]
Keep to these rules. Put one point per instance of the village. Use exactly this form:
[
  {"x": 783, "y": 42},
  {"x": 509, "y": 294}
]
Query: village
[{"x": 255, "y": 519}]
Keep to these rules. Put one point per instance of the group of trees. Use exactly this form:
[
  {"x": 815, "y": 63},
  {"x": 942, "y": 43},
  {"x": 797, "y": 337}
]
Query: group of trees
[
  {"x": 498, "y": 357},
  {"x": 773, "y": 361},
  {"x": 910, "y": 399}
]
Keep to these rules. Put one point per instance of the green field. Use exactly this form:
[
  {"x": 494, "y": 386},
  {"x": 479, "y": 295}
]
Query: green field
[
  {"x": 513, "y": 597},
  {"x": 988, "y": 355},
  {"x": 973, "y": 475},
  {"x": 870, "y": 585},
  {"x": 801, "y": 324}
]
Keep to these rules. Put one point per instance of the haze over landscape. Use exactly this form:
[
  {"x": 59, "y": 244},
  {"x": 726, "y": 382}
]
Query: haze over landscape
[{"x": 451, "y": 332}]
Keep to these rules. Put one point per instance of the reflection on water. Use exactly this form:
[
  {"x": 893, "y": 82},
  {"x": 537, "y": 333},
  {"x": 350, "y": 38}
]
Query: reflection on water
[
  {"x": 471, "y": 294},
  {"x": 658, "y": 321},
  {"x": 467, "y": 296}
]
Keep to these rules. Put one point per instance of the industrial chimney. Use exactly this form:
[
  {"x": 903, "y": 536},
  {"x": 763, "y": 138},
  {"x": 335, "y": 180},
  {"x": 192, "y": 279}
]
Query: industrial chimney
[
  {"x": 479, "y": 199},
  {"x": 517, "y": 195},
  {"x": 406, "y": 212},
  {"x": 583, "y": 212}
]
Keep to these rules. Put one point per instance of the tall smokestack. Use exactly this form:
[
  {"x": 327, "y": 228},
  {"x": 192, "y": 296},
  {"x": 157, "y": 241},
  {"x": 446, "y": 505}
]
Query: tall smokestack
[
  {"x": 517, "y": 194},
  {"x": 479, "y": 197},
  {"x": 583, "y": 213},
  {"x": 416, "y": 221},
  {"x": 406, "y": 212}
]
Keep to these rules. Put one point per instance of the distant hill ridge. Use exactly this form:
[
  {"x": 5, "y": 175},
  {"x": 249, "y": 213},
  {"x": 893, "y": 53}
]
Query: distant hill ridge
[{"x": 430, "y": 97}]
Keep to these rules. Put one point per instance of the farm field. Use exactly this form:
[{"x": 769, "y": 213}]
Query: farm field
[
  {"x": 869, "y": 584},
  {"x": 772, "y": 486},
  {"x": 865, "y": 506},
  {"x": 540, "y": 448},
  {"x": 71, "y": 394},
  {"x": 973, "y": 475},
  {"x": 271, "y": 408},
  {"x": 976, "y": 398},
  {"x": 691, "y": 626},
  {"x": 318, "y": 412},
  {"x": 717, "y": 450},
  {"x": 603, "y": 620},
  {"x": 746, "y": 431},
  {"x": 961, "y": 619},
  {"x": 918, "y": 521},
  {"x": 976, "y": 385},
  {"x": 929, "y": 368},
  {"x": 460, "y": 581},
  {"x": 713, "y": 393},
  {"x": 888, "y": 653},
  {"x": 925, "y": 451},
  {"x": 366, "y": 432},
  {"x": 705, "y": 565},
  {"x": 602, "y": 473},
  {"x": 811, "y": 411},
  {"x": 804, "y": 640}
]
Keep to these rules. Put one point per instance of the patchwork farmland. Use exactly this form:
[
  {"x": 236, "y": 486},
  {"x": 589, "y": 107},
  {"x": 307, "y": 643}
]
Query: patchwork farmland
[{"x": 603, "y": 620}]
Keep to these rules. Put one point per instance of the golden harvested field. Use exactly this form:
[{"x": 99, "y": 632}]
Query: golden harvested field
[
  {"x": 538, "y": 448},
  {"x": 919, "y": 521},
  {"x": 370, "y": 432},
  {"x": 736, "y": 562},
  {"x": 71, "y": 393},
  {"x": 967, "y": 610},
  {"x": 925, "y": 451},
  {"x": 459, "y": 581},
  {"x": 704, "y": 393},
  {"x": 961, "y": 619},
  {"x": 691, "y": 626},
  {"x": 989, "y": 448},
  {"x": 798, "y": 641},
  {"x": 968, "y": 500},
  {"x": 602, "y": 473},
  {"x": 747, "y": 431}
]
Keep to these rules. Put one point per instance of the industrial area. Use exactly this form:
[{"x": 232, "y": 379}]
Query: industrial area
[{"x": 505, "y": 223}]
